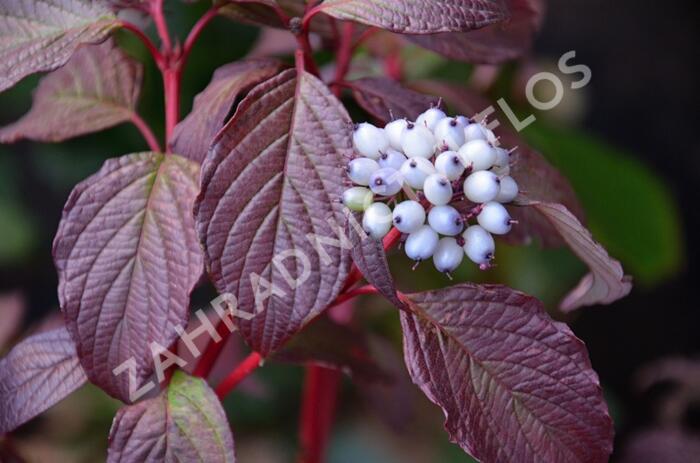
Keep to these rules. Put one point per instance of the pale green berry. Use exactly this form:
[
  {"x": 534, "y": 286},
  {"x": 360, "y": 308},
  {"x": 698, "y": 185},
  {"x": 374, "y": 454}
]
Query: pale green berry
[{"x": 357, "y": 198}]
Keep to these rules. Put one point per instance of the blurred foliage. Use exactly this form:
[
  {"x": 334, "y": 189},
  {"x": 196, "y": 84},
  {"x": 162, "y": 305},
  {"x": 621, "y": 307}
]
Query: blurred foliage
[{"x": 628, "y": 207}]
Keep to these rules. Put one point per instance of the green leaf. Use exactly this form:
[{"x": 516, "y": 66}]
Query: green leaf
[
  {"x": 183, "y": 423},
  {"x": 628, "y": 208}
]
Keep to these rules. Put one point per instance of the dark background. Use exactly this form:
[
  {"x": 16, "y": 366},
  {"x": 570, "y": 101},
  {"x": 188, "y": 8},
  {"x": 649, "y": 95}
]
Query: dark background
[{"x": 642, "y": 99}]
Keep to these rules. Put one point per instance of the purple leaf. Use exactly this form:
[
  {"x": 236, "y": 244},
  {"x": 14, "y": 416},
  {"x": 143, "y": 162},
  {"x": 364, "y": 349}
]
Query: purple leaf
[
  {"x": 37, "y": 373},
  {"x": 493, "y": 44},
  {"x": 41, "y": 35},
  {"x": 262, "y": 12},
  {"x": 184, "y": 423},
  {"x": 270, "y": 197},
  {"x": 195, "y": 133},
  {"x": 98, "y": 88},
  {"x": 369, "y": 256},
  {"x": 607, "y": 281},
  {"x": 332, "y": 345},
  {"x": 386, "y": 99},
  {"x": 128, "y": 257},
  {"x": 418, "y": 16},
  {"x": 513, "y": 384}
]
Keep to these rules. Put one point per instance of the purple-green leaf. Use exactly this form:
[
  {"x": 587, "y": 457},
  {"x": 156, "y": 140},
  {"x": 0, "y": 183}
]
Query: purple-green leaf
[
  {"x": 418, "y": 16},
  {"x": 41, "y": 35},
  {"x": 269, "y": 202},
  {"x": 184, "y": 423},
  {"x": 98, "y": 88},
  {"x": 607, "y": 281},
  {"x": 386, "y": 99},
  {"x": 128, "y": 257},
  {"x": 196, "y": 132},
  {"x": 513, "y": 384},
  {"x": 37, "y": 373},
  {"x": 493, "y": 44}
]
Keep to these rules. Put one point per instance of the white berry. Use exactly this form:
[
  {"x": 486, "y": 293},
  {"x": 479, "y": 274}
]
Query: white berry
[
  {"x": 508, "y": 191},
  {"x": 392, "y": 159},
  {"x": 475, "y": 131},
  {"x": 408, "y": 216},
  {"x": 501, "y": 171},
  {"x": 421, "y": 244},
  {"x": 430, "y": 118},
  {"x": 416, "y": 170},
  {"x": 386, "y": 182},
  {"x": 446, "y": 220},
  {"x": 494, "y": 218},
  {"x": 377, "y": 220},
  {"x": 478, "y": 154},
  {"x": 394, "y": 130},
  {"x": 357, "y": 198},
  {"x": 448, "y": 255},
  {"x": 449, "y": 133},
  {"x": 482, "y": 186},
  {"x": 438, "y": 189},
  {"x": 370, "y": 141},
  {"x": 464, "y": 121},
  {"x": 502, "y": 157},
  {"x": 450, "y": 165},
  {"x": 418, "y": 142},
  {"x": 479, "y": 245},
  {"x": 361, "y": 169}
]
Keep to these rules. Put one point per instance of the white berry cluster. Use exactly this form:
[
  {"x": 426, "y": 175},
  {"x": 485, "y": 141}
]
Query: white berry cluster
[{"x": 429, "y": 164}]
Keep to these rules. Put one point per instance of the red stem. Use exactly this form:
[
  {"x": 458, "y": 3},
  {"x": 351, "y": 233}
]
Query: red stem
[
  {"x": 146, "y": 132},
  {"x": 242, "y": 371},
  {"x": 155, "y": 53},
  {"x": 212, "y": 351},
  {"x": 318, "y": 408},
  {"x": 309, "y": 15},
  {"x": 161, "y": 24},
  {"x": 308, "y": 54},
  {"x": 171, "y": 83}
]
